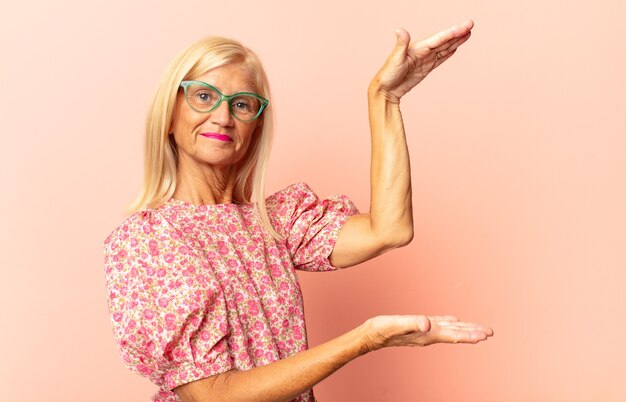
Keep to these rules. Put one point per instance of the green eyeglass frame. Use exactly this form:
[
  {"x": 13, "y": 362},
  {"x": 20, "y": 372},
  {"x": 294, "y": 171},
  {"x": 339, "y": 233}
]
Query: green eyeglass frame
[{"x": 264, "y": 102}]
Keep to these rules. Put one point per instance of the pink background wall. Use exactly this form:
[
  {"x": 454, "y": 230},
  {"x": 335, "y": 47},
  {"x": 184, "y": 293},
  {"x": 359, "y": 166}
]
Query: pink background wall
[{"x": 517, "y": 148}]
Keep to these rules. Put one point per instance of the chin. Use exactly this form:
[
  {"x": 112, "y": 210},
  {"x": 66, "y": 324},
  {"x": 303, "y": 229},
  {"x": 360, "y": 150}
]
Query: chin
[{"x": 220, "y": 162}]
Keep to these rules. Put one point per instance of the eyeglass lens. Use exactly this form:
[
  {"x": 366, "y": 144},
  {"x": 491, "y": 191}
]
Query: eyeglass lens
[{"x": 203, "y": 99}]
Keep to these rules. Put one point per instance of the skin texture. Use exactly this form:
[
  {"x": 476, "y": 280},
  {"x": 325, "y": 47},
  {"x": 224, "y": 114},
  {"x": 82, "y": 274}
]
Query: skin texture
[
  {"x": 388, "y": 225},
  {"x": 207, "y": 166}
]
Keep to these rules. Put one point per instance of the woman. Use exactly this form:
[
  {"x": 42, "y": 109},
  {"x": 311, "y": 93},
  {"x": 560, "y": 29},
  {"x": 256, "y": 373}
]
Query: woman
[{"x": 203, "y": 295}]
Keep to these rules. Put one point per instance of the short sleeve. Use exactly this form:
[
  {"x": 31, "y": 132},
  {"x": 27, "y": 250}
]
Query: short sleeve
[
  {"x": 310, "y": 225},
  {"x": 167, "y": 313}
]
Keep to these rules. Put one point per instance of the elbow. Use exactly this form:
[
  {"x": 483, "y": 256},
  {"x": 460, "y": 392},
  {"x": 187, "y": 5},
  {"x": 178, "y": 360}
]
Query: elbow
[
  {"x": 393, "y": 233},
  {"x": 215, "y": 388},
  {"x": 402, "y": 238},
  {"x": 397, "y": 238}
]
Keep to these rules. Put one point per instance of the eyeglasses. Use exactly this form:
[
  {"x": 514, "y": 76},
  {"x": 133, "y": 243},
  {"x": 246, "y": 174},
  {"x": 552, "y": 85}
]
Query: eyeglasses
[{"x": 204, "y": 98}]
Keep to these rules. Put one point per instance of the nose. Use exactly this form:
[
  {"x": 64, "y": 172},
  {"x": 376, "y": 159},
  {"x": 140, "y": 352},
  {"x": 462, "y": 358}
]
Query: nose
[{"x": 221, "y": 114}]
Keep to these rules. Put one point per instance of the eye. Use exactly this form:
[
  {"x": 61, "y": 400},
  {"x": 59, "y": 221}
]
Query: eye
[
  {"x": 241, "y": 104},
  {"x": 246, "y": 104},
  {"x": 203, "y": 96}
]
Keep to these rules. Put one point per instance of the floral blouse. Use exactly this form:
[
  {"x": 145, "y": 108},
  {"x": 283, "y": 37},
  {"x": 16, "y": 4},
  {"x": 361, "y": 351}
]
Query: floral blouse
[{"x": 197, "y": 290}]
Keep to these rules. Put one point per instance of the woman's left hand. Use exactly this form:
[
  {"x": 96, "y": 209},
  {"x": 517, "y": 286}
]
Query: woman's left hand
[{"x": 409, "y": 63}]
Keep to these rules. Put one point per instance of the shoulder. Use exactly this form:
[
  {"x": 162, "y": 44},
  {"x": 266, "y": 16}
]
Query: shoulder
[
  {"x": 133, "y": 225},
  {"x": 141, "y": 240},
  {"x": 140, "y": 231},
  {"x": 287, "y": 201},
  {"x": 290, "y": 194},
  {"x": 301, "y": 197},
  {"x": 285, "y": 205},
  {"x": 294, "y": 189}
]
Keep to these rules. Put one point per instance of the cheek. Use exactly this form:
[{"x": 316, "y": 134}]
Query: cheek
[
  {"x": 253, "y": 138},
  {"x": 184, "y": 124},
  {"x": 253, "y": 131},
  {"x": 182, "y": 120}
]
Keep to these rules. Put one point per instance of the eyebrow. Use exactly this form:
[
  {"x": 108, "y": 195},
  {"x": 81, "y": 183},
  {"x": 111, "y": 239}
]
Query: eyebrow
[{"x": 236, "y": 92}]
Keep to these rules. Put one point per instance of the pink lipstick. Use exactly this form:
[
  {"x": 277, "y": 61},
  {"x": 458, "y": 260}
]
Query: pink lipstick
[{"x": 217, "y": 136}]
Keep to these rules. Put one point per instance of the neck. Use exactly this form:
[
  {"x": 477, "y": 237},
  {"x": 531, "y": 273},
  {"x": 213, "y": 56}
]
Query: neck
[{"x": 204, "y": 184}]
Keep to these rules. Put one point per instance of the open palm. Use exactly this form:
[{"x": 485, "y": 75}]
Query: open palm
[
  {"x": 420, "y": 330},
  {"x": 409, "y": 63}
]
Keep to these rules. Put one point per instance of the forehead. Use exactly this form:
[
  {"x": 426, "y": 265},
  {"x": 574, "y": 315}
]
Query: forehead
[{"x": 230, "y": 78}]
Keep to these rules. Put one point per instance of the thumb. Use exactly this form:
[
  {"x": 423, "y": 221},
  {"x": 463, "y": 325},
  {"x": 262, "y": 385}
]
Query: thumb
[
  {"x": 416, "y": 323},
  {"x": 402, "y": 41}
]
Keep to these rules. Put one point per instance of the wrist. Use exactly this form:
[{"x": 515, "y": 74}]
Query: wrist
[
  {"x": 367, "y": 340},
  {"x": 377, "y": 93}
]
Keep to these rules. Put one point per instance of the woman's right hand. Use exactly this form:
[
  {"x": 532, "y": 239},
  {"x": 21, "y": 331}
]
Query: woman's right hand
[
  {"x": 283, "y": 380},
  {"x": 419, "y": 330}
]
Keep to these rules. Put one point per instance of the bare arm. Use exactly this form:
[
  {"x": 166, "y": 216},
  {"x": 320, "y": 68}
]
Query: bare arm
[
  {"x": 389, "y": 224},
  {"x": 364, "y": 236},
  {"x": 285, "y": 379}
]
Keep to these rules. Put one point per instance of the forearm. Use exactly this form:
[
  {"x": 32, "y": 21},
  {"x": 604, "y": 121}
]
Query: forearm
[
  {"x": 282, "y": 380},
  {"x": 391, "y": 211}
]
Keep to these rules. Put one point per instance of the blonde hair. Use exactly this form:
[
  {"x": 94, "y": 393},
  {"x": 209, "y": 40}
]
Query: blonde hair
[{"x": 160, "y": 150}]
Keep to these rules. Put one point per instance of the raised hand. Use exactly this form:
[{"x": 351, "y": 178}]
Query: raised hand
[
  {"x": 420, "y": 330},
  {"x": 409, "y": 63}
]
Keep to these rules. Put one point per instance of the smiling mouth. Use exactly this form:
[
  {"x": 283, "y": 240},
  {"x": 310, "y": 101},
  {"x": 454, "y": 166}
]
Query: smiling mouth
[{"x": 217, "y": 136}]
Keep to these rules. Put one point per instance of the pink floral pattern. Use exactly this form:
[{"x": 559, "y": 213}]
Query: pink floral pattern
[{"x": 197, "y": 290}]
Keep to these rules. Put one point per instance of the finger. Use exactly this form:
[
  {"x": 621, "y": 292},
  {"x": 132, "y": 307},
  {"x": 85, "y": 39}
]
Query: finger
[
  {"x": 422, "y": 323},
  {"x": 465, "y": 326},
  {"x": 455, "y": 43},
  {"x": 403, "y": 39},
  {"x": 469, "y": 329},
  {"x": 448, "y": 47},
  {"x": 410, "y": 323},
  {"x": 437, "y": 318},
  {"x": 443, "y": 58},
  {"x": 461, "y": 325},
  {"x": 446, "y": 35},
  {"x": 455, "y": 336},
  {"x": 418, "y": 323}
]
